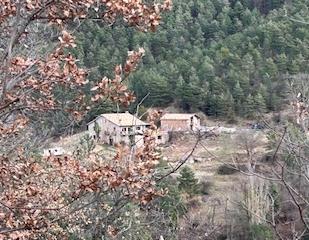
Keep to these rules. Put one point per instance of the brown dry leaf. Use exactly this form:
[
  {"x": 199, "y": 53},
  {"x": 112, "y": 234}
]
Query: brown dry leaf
[{"x": 112, "y": 231}]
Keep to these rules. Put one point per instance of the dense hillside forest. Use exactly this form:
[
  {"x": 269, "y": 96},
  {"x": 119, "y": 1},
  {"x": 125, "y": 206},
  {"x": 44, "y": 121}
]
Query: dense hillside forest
[
  {"x": 225, "y": 58},
  {"x": 65, "y": 62}
]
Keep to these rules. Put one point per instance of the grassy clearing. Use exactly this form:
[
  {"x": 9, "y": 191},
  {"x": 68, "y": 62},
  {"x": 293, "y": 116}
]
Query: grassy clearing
[{"x": 225, "y": 190}]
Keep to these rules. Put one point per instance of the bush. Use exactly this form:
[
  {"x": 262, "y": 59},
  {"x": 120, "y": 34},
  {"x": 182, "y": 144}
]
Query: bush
[
  {"x": 261, "y": 232},
  {"x": 226, "y": 169},
  {"x": 204, "y": 187},
  {"x": 268, "y": 157},
  {"x": 84, "y": 147},
  {"x": 193, "y": 203},
  {"x": 222, "y": 236},
  {"x": 277, "y": 118},
  {"x": 171, "y": 203}
]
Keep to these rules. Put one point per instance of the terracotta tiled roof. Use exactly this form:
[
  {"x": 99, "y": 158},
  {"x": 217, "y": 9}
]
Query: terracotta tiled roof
[
  {"x": 123, "y": 119},
  {"x": 177, "y": 116}
]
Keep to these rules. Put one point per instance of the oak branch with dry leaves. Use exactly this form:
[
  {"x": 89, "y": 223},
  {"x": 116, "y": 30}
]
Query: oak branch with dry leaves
[{"x": 46, "y": 197}]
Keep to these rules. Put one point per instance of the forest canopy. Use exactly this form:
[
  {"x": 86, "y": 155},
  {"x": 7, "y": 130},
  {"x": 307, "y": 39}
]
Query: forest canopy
[{"x": 225, "y": 58}]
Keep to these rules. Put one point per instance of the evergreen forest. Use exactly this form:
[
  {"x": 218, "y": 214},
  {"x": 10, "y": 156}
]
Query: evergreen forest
[{"x": 225, "y": 58}]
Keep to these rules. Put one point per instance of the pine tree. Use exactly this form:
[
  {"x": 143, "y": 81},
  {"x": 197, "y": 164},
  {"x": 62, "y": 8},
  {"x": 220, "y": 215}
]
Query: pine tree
[
  {"x": 259, "y": 103},
  {"x": 230, "y": 108},
  {"x": 238, "y": 9},
  {"x": 191, "y": 96},
  {"x": 218, "y": 46},
  {"x": 187, "y": 181},
  {"x": 282, "y": 63},
  {"x": 154, "y": 84},
  {"x": 222, "y": 105},
  {"x": 238, "y": 96},
  {"x": 270, "y": 68},
  {"x": 210, "y": 104},
  {"x": 293, "y": 67},
  {"x": 206, "y": 71},
  {"x": 250, "y": 107}
]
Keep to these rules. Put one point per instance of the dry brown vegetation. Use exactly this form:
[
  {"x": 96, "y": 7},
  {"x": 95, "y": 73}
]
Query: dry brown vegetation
[{"x": 58, "y": 197}]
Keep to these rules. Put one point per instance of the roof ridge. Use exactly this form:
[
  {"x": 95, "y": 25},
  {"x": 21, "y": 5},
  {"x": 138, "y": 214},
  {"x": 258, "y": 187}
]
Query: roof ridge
[{"x": 123, "y": 119}]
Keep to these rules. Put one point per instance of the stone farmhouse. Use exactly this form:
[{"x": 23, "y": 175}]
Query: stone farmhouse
[
  {"x": 180, "y": 122},
  {"x": 117, "y": 128}
]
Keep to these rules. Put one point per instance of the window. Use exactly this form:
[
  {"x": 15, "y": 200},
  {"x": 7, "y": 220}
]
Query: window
[
  {"x": 124, "y": 129},
  {"x": 138, "y": 128},
  {"x": 159, "y": 137},
  {"x": 130, "y": 129},
  {"x": 114, "y": 129}
]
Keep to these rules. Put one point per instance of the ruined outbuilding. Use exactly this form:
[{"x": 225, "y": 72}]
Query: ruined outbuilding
[{"x": 180, "y": 122}]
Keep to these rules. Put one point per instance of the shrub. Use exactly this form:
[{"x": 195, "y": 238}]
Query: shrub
[
  {"x": 171, "y": 203},
  {"x": 84, "y": 147},
  {"x": 226, "y": 169},
  {"x": 261, "y": 232},
  {"x": 204, "y": 187},
  {"x": 268, "y": 157},
  {"x": 274, "y": 192},
  {"x": 222, "y": 236}
]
